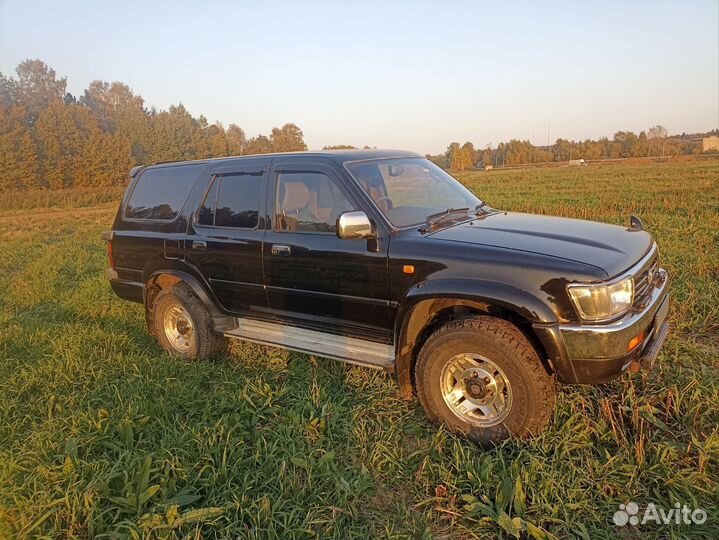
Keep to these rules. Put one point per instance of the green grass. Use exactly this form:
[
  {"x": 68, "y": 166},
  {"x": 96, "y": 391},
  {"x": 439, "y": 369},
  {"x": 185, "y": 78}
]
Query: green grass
[
  {"x": 20, "y": 201},
  {"x": 101, "y": 435}
]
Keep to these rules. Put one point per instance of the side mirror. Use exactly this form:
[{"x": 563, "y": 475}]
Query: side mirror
[{"x": 354, "y": 225}]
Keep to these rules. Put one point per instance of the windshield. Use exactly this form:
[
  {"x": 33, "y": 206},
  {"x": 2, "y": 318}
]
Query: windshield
[{"x": 409, "y": 190}]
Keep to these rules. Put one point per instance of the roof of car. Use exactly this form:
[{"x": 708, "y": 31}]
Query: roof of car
[
  {"x": 357, "y": 154},
  {"x": 340, "y": 156}
]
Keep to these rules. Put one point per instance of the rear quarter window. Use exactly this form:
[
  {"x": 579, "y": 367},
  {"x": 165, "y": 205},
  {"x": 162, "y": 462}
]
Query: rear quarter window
[{"x": 161, "y": 192}]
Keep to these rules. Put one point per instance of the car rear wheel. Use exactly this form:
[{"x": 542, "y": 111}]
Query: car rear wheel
[
  {"x": 183, "y": 325},
  {"x": 483, "y": 379}
]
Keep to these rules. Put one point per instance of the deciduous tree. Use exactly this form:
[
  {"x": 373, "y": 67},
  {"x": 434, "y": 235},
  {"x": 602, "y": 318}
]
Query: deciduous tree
[
  {"x": 37, "y": 86},
  {"x": 259, "y": 145},
  {"x": 236, "y": 140},
  {"x": 657, "y": 137},
  {"x": 288, "y": 138},
  {"x": 19, "y": 164}
]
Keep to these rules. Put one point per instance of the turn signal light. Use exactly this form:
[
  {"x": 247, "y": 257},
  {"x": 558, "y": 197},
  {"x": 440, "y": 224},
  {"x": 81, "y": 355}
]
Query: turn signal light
[
  {"x": 634, "y": 343},
  {"x": 408, "y": 269},
  {"x": 110, "y": 257}
]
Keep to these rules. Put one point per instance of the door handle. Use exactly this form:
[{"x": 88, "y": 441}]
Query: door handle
[
  {"x": 280, "y": 250},
  {"x": 199, "y": 244}
]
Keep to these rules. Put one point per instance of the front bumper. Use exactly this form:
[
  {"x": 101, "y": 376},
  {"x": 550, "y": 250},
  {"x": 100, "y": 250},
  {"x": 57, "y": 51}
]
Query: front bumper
[{"x": 597, "y": 353}]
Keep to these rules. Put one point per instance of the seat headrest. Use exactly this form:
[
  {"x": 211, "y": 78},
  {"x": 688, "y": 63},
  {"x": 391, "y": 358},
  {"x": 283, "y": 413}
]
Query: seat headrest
[{"x": 296, "y": 196}]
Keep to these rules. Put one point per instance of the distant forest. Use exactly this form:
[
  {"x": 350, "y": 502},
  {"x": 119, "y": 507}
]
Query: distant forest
[
  {"x": 654, "y": 142},
  {"x": 51, "y": 139}
]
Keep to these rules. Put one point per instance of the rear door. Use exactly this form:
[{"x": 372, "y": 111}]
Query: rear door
[
  {"x": 315, "y": 279},
  {"x": 226, "y": 234},
  {"x": 149, "y": 225}
]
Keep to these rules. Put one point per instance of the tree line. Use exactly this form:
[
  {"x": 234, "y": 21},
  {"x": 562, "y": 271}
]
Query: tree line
[
  {"x": 625, "y": 144},
  {"x": 52, "y": 139}
]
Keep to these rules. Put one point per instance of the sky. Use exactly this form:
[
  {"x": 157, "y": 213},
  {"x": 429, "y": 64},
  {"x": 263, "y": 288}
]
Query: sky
[{"x": 410, "y": 75}]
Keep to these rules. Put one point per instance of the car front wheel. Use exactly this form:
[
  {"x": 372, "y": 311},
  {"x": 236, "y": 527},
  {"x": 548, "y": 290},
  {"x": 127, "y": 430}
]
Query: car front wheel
[{"x": 483, "y": 379}]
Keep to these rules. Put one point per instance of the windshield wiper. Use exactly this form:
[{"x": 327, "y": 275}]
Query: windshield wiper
[
  {"x": 481, "y": 207},
  {"x": 434, "y": 219}
]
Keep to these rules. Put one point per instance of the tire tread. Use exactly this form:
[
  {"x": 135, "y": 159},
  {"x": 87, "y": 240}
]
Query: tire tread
[
  {"x": 509, "y": 336},
  {"x": 209, "y": 343}
]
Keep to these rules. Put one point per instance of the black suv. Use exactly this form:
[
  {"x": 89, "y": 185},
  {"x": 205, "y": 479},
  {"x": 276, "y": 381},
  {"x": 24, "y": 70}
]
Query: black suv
[{"x": 382, "y": 259}]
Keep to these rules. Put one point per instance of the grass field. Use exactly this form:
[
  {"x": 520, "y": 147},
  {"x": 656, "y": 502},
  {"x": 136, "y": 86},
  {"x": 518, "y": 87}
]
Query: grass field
[{"x": 101, "y": 435}]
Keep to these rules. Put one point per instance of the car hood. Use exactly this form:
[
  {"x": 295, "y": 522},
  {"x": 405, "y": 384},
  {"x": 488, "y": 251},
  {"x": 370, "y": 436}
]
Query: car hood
[{"x": 609, "y": 247}]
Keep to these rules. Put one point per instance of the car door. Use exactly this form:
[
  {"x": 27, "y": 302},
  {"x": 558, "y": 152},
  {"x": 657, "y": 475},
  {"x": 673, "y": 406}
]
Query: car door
[
  {"x": 315, "y": 279},
  {"x": 226, "y": 235}
]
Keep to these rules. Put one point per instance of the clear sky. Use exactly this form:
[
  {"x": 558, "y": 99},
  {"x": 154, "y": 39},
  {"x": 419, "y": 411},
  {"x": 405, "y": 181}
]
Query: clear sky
[{"x": 412, "y": 75}]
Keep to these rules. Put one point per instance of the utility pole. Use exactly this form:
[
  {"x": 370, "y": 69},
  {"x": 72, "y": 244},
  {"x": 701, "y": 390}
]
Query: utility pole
[
  {"x": 531, "y": 146},
  {"x": 547, "y": 133}
]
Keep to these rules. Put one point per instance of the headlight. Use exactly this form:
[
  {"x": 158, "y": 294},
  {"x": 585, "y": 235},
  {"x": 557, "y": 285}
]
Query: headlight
[{"x": 602, "y": 301}]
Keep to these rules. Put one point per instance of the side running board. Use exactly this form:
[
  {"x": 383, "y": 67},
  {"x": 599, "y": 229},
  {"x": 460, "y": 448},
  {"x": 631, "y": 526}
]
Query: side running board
[{"x": 352, "y": 350}]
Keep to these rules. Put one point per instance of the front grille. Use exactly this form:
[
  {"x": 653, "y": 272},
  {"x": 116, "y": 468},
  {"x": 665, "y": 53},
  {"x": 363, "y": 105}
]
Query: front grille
[{"x": 644, "y": 278}]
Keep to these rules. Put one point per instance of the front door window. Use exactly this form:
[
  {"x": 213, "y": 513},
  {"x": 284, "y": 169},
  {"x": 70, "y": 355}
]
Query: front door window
[{"x": 309, "y": 202}]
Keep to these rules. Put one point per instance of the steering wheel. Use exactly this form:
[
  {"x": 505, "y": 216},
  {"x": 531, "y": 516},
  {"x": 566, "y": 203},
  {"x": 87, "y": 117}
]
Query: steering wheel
[{"x": 384, "y": 198}]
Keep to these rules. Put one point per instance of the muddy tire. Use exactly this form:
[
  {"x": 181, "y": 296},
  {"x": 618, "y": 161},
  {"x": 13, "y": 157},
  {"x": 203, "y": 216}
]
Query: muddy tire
[
  {"x": 183, "y": 325},
  {"x": 483, "y": 379}
]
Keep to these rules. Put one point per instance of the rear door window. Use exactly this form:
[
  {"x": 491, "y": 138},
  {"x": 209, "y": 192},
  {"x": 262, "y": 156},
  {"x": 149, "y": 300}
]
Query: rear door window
[
  {"x": 233, "y": 200},
  {"x": 161, "y": 192}
]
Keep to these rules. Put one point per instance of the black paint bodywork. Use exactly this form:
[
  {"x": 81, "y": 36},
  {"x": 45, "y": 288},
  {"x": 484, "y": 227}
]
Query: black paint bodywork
[{"x": 516, "y": 266}]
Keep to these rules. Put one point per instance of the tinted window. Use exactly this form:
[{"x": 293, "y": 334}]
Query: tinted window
[
  {"x": 309, "y": 201},
  {"x": 161, "y": 192},
  {"x": 206, "y": 215},
  {"x": 238, "y": 200}
]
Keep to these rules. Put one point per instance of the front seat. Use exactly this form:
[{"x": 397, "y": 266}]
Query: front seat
[
  {"x": 295, "y": 210},
  {"x": 370, "y": 177}
]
